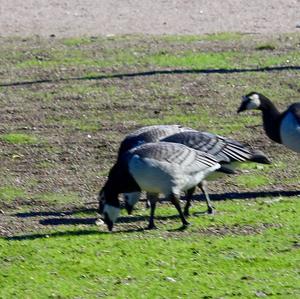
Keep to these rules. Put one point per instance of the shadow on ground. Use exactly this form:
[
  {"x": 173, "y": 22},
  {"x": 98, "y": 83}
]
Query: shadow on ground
[
  {"x": 213, "y": 197},
  {"x": 58, "y": 217},
  {"x": 153, "y": 73}
]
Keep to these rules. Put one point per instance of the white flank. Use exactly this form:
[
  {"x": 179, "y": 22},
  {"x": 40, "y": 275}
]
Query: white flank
[{"x": 112, "y": 212}]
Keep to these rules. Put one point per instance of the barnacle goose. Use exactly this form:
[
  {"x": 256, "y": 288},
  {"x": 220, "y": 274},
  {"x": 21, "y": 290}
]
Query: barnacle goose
[
  {"x": 145, "y": 135},
  {"x": 161, "y": 167},
  {"x": 282, "y": 127},
  {"x": 225, "y": 149}
]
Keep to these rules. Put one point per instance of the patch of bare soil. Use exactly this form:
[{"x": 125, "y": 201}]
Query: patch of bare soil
[
  {"x": 92, "y": 18},
  {"x": 72, "y": 159}
]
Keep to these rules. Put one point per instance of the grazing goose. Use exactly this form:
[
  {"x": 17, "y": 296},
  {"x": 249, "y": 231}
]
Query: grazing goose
[
  {"x": 145, "y": 135},
  {"x": 222, "y": 148},
  {"x": 162, "y": 167},
  {"x": 282, "y": 127}
]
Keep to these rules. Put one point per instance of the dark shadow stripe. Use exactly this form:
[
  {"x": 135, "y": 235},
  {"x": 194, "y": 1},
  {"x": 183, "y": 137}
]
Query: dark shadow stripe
[
  {"x": 54, "y": 213},
  {"x": 153, "y": 73},
  {"x": 68, "y": 221}
]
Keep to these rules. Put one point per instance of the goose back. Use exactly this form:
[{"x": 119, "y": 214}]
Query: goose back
[
  {"x": 222, "y": 148},
  {"x": 149, "y": 134}
]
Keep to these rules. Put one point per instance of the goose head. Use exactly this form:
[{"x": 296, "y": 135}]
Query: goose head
[
  {"x": 110, "y": 215},
  {"x": 250, "y": 101},
  {"x": 109, "y": 208}
]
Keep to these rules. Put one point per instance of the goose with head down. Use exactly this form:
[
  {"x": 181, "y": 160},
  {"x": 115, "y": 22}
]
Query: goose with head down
[
  {"x": 140, "y": 136},
  {"x": 225, "y": 150},
  {"x": 163, "y": 167}
]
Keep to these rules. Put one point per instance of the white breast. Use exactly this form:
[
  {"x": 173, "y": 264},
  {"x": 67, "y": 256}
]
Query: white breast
[{"x": 290, "y": 132}]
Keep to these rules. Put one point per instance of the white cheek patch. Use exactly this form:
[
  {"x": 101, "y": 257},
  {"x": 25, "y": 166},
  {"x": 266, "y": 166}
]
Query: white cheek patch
[
  {"x": 254, "y": 102},
  {"x": 112, "y": 212}
]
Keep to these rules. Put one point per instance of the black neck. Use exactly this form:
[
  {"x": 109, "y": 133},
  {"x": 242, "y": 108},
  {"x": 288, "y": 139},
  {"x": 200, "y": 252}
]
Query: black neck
[
  {"x": 119, "y": 181},
  {"x": 271, "y": 119}
]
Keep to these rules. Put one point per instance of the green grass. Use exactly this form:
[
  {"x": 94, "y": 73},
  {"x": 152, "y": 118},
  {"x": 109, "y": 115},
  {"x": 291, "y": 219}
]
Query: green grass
[
  {"x": 252, "y": 180},
  {"x": 9, "y": 193},
  {"x": 194, "y": 59},
  {"x": 223, "y": 36},
  {"x": 82, "y": 125},
  {"x": 198, "y": 263},
  {"x": 58, "y": 198},
  {"x": 72, "y": 57},
  {"x": 19, "y": 138},
  {"x": 266, "y": 46},
  {"x": 248, "y": 249},
  {"x": 78, "y": 41}
]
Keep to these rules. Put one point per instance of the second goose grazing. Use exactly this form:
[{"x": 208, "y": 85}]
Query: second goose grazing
[
  {"x": 163, "y": 167},
  {"x": 222, "y": 148},
  {"x": 281, "y": 127}
]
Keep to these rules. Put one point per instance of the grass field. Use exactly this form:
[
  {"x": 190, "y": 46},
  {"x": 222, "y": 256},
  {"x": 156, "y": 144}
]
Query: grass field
[{"x": 65, "y": 106}]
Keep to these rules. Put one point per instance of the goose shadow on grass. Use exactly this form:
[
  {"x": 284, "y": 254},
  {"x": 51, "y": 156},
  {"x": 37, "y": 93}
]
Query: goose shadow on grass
[
  {"x": 95, "y": 231},
  {"x": 55, "y": 213},
  {"x": 59, "y": 220},
  {"x": 153, "y": 73},
  {"x": 198, "y": 197},
  {"x": 213, "y": 197}
]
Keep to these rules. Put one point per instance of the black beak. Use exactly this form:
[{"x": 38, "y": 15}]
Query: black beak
[
  {"x": 128, "y": 208},
  {"x": 108, "y": 222},
  {"x": 242, "y": 107}
]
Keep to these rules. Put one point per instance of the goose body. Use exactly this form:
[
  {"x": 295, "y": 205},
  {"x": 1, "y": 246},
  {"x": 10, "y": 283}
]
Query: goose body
[
  {"x": 145, "y": 135},
  {"x": 170, "y": 168},
  {"x": 283, "y": 128},
  {"x": 163, "y": 167},
  {"x": 224, "y": 149}
]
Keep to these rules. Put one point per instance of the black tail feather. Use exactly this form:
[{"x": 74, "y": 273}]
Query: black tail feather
[
  {"x": 226, "y": 169},
  {"x": 259, "y": 157}
]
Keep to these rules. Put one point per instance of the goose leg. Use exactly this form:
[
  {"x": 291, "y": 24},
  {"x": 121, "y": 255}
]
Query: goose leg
[
  {"x": 152, "y": 199},
  {"x": 175, "y": 201},
  {"x": 187, "y": 206},
  {"x": 210, "y": 208},
  {"x": 147, "y": 203}
]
